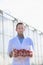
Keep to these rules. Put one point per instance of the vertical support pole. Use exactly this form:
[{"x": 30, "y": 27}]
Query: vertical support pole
[{"x": 3, "y": 38}]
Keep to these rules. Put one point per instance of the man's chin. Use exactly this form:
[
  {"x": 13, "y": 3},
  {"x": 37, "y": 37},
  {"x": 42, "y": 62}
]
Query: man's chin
[{"x": 20, "y": 33}]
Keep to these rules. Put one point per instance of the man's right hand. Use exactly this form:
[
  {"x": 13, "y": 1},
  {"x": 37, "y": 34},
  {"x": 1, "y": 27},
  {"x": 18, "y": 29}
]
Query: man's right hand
[{"x": 11, "y": 54}]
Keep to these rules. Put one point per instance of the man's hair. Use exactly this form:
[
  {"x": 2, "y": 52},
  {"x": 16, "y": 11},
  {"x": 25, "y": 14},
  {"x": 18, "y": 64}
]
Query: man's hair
[{"x": 20, "y": 23}]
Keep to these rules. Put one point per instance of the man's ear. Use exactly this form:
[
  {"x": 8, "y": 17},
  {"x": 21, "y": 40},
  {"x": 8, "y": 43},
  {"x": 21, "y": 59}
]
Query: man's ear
[
  {"x": 16, "y": 29},
  {"x": 24, "y": 28}
]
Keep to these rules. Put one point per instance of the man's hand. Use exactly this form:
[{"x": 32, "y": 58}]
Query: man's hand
[{"x": 11, "y": 54}]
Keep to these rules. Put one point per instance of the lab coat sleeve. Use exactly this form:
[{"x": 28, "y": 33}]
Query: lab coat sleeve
[
  {"x": 31, "y": 44},
  {"x": 32, "y": 48},
  {"x": 10, "y": 46}
]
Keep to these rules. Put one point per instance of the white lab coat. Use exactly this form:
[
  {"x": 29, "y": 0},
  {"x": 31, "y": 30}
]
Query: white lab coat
[{"x": 15, "y": 44}]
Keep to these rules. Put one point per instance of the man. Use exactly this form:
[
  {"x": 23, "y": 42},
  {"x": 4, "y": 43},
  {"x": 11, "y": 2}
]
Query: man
[{"x": 20, "y": 43}]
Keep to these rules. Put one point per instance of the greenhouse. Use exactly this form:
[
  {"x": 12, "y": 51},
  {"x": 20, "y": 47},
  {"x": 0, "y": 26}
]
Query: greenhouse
[{"x": 7, "y": 31}]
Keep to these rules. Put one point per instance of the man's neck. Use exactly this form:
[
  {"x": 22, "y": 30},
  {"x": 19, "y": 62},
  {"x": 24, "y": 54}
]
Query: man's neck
[{"x": 20, "y": 35}]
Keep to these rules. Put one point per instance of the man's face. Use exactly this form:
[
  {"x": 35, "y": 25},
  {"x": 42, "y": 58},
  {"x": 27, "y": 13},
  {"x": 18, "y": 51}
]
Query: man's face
[{"x": 20, "y": 29}]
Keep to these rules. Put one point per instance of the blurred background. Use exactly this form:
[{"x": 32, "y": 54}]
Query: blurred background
[{"x": 31, "y": 14}]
